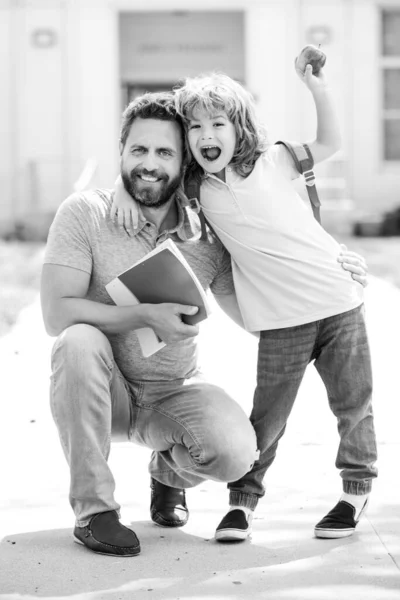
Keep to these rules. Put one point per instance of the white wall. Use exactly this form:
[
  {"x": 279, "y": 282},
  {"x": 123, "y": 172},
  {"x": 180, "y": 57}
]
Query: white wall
[
  {"x": 95, "y": 86},
  {"x": 7, "y": 136},
  {"x": 63, "y": 103},
  {"x": 37, "y": 113}
]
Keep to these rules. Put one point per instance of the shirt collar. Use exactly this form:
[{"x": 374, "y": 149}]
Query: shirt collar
[
  {"x": 230, "y": 175},
  {"x": 188, "y": 225}
]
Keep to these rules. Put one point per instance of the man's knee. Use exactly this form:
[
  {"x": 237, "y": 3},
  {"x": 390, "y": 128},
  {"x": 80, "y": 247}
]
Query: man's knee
[
  {"x": 81, "y": 357},
  {"x": 76, "y": 344},
  {"x": 232, "y": 453},
  {"x": 238, "y": 461}
]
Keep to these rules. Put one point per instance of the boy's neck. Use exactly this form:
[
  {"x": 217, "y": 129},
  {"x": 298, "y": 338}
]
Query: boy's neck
[{"x": 221, "y": 175}]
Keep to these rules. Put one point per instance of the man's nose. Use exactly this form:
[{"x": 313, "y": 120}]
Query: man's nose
[{"x": 150, "y": 162}]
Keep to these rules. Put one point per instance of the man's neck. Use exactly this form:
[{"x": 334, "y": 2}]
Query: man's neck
[{"x": 163, "y": 217}]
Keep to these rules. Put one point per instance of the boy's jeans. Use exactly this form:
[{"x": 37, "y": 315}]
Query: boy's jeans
[
  {"x": 339, "y": 346},
  {"x": 196, "y": 430}
]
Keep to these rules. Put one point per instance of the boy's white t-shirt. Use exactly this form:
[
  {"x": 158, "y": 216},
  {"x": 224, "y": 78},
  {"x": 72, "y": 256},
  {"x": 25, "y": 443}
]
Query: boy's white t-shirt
[{"x": 284, "y": 263}]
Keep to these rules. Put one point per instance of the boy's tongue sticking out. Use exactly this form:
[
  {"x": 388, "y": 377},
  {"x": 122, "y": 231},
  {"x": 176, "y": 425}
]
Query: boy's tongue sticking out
[{"x": 211, "y": 152}]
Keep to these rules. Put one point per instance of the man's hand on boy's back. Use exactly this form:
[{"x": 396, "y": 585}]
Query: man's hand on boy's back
[
  {"x": 124, "y": 209},
  {"x": 355, "y": 264}
]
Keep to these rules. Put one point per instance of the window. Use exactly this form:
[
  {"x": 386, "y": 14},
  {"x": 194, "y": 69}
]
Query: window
[{"x": 390, "y": 62}]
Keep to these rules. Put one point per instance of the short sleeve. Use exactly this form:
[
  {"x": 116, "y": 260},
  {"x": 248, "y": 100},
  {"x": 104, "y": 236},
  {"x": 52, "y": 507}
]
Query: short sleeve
[
  {"x": 222, "y": 284},
  {"x": 280, "y": 157},
  {"x": 68, "y": 242}
]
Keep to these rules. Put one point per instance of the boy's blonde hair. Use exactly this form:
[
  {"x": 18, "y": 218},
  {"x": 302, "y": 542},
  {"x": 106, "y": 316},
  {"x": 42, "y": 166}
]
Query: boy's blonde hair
[{"x": 217, "y": 91}]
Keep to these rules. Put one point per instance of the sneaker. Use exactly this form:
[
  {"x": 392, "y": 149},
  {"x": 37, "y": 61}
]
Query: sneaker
[
  {"x": 340, "y": 522},
  {"x": 106, "y": 535},
  {"x": 168, "y": 505},
  {"x": 234, "y": 527}
]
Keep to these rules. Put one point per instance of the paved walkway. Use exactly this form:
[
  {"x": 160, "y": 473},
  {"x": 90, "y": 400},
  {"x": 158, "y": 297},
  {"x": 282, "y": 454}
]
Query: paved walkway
[{"x": 283, "y": 561}]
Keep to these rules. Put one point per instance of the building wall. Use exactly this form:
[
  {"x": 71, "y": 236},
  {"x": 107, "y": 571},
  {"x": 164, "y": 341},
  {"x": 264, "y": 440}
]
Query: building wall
[
  {"x": 64, "y": 99},
  {"x": 375, "y": 182}
]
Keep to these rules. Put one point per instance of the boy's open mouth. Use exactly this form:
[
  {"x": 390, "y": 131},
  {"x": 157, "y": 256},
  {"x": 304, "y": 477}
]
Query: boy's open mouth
[{"x": 210, "y": 152}]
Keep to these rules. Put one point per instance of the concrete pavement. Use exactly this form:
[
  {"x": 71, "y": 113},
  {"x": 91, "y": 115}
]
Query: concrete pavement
[{"x": 283, "y": 560}]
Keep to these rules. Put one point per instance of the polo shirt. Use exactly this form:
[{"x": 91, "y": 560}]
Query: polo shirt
[
  {"x": 82, "y": 236},
  {"x": 284, "y": 263}
]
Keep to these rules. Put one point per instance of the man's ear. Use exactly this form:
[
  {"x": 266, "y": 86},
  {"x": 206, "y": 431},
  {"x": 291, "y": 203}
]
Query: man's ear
[{"x": 121, "y": 148}]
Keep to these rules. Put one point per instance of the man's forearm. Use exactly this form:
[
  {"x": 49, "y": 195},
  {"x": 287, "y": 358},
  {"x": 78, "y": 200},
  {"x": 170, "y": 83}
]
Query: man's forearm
[{"x": 107, "y": 318}]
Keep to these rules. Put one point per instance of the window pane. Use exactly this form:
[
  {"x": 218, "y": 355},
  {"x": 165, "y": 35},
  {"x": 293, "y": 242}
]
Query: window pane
[
  {"x": 391, "y": 32},
  {"x": 392, "y": 139},
  {"x": 391, "y": 87}
]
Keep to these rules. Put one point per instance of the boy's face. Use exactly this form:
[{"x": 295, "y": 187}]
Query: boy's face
[{"x": 212, "y": 139}]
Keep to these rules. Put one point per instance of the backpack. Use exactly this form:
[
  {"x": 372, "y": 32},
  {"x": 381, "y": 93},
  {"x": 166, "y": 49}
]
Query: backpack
[{"x": 304, "y": 163}]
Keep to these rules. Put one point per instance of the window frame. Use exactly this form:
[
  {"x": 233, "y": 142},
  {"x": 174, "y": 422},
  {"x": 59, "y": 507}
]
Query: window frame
[{"x": 386, "y": 62}]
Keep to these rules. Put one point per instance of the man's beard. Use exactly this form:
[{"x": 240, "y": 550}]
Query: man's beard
[{"x": 153, "y": 195}]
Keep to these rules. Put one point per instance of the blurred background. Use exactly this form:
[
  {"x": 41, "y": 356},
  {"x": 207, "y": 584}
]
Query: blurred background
[{"x": 69, "y": 68}]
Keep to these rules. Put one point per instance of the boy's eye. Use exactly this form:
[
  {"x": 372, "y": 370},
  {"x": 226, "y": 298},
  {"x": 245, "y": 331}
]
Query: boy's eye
[
  {"x": 219, "y": 124},
  {"x": 194, "y": 127}
]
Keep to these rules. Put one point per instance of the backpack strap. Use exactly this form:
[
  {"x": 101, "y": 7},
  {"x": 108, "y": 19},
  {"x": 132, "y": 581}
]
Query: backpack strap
[
  {"x": 304, "y": 162},
  {"x": 192, "y": 191}
]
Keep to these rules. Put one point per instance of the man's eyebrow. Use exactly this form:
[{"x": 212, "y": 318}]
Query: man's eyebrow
[{"x": 137, "y": 146}]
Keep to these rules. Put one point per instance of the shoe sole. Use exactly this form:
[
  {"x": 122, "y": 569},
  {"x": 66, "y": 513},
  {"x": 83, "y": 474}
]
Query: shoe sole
[
  {"x": 78, "y": 541},
  {"x": 231, "y": 535},
  {"x": 167, "y": 524},
  {"x": 333, "y": 533}
]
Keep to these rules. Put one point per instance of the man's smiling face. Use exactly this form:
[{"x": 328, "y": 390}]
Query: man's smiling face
[{"x": 151, "y": 161}]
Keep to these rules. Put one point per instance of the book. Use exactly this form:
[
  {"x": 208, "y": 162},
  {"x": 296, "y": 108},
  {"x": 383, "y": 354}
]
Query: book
[{"x": 162, "y": 275}]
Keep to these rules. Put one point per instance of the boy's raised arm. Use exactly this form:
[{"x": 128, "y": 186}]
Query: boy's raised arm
[{"x": 328, "y": 138}]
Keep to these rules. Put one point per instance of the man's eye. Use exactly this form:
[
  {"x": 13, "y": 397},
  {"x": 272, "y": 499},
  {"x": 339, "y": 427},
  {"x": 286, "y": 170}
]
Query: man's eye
[
  {"x": 165, "y": 153},
  {"x": 136, "y": 151}
]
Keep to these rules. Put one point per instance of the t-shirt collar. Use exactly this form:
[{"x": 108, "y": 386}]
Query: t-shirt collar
[{"x": 184, "y": 228}]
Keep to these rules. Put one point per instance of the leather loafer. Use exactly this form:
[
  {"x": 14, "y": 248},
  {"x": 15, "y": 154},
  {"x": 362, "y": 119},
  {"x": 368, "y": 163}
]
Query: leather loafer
[
  {"x": 106, "y": 535},
  {"x": 168, "y": 505}
]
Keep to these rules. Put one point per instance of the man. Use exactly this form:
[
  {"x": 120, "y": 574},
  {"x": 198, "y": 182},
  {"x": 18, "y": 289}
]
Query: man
[{"x": 102, "y": 388}]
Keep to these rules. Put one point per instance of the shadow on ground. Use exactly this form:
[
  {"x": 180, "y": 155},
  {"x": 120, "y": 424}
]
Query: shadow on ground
[{"x": 177, "y": 565}]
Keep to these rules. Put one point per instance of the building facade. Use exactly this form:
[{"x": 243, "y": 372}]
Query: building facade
[{"x": 72, "y": 65}]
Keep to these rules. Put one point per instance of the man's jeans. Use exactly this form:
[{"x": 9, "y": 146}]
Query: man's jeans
[
  {"x": 196, "y": 430},
  {"x": 339, "y": 347}
]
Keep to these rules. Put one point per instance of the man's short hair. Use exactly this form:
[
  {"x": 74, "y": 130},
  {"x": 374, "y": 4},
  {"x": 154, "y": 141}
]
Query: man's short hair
[{"x": 155, "y": 105}]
